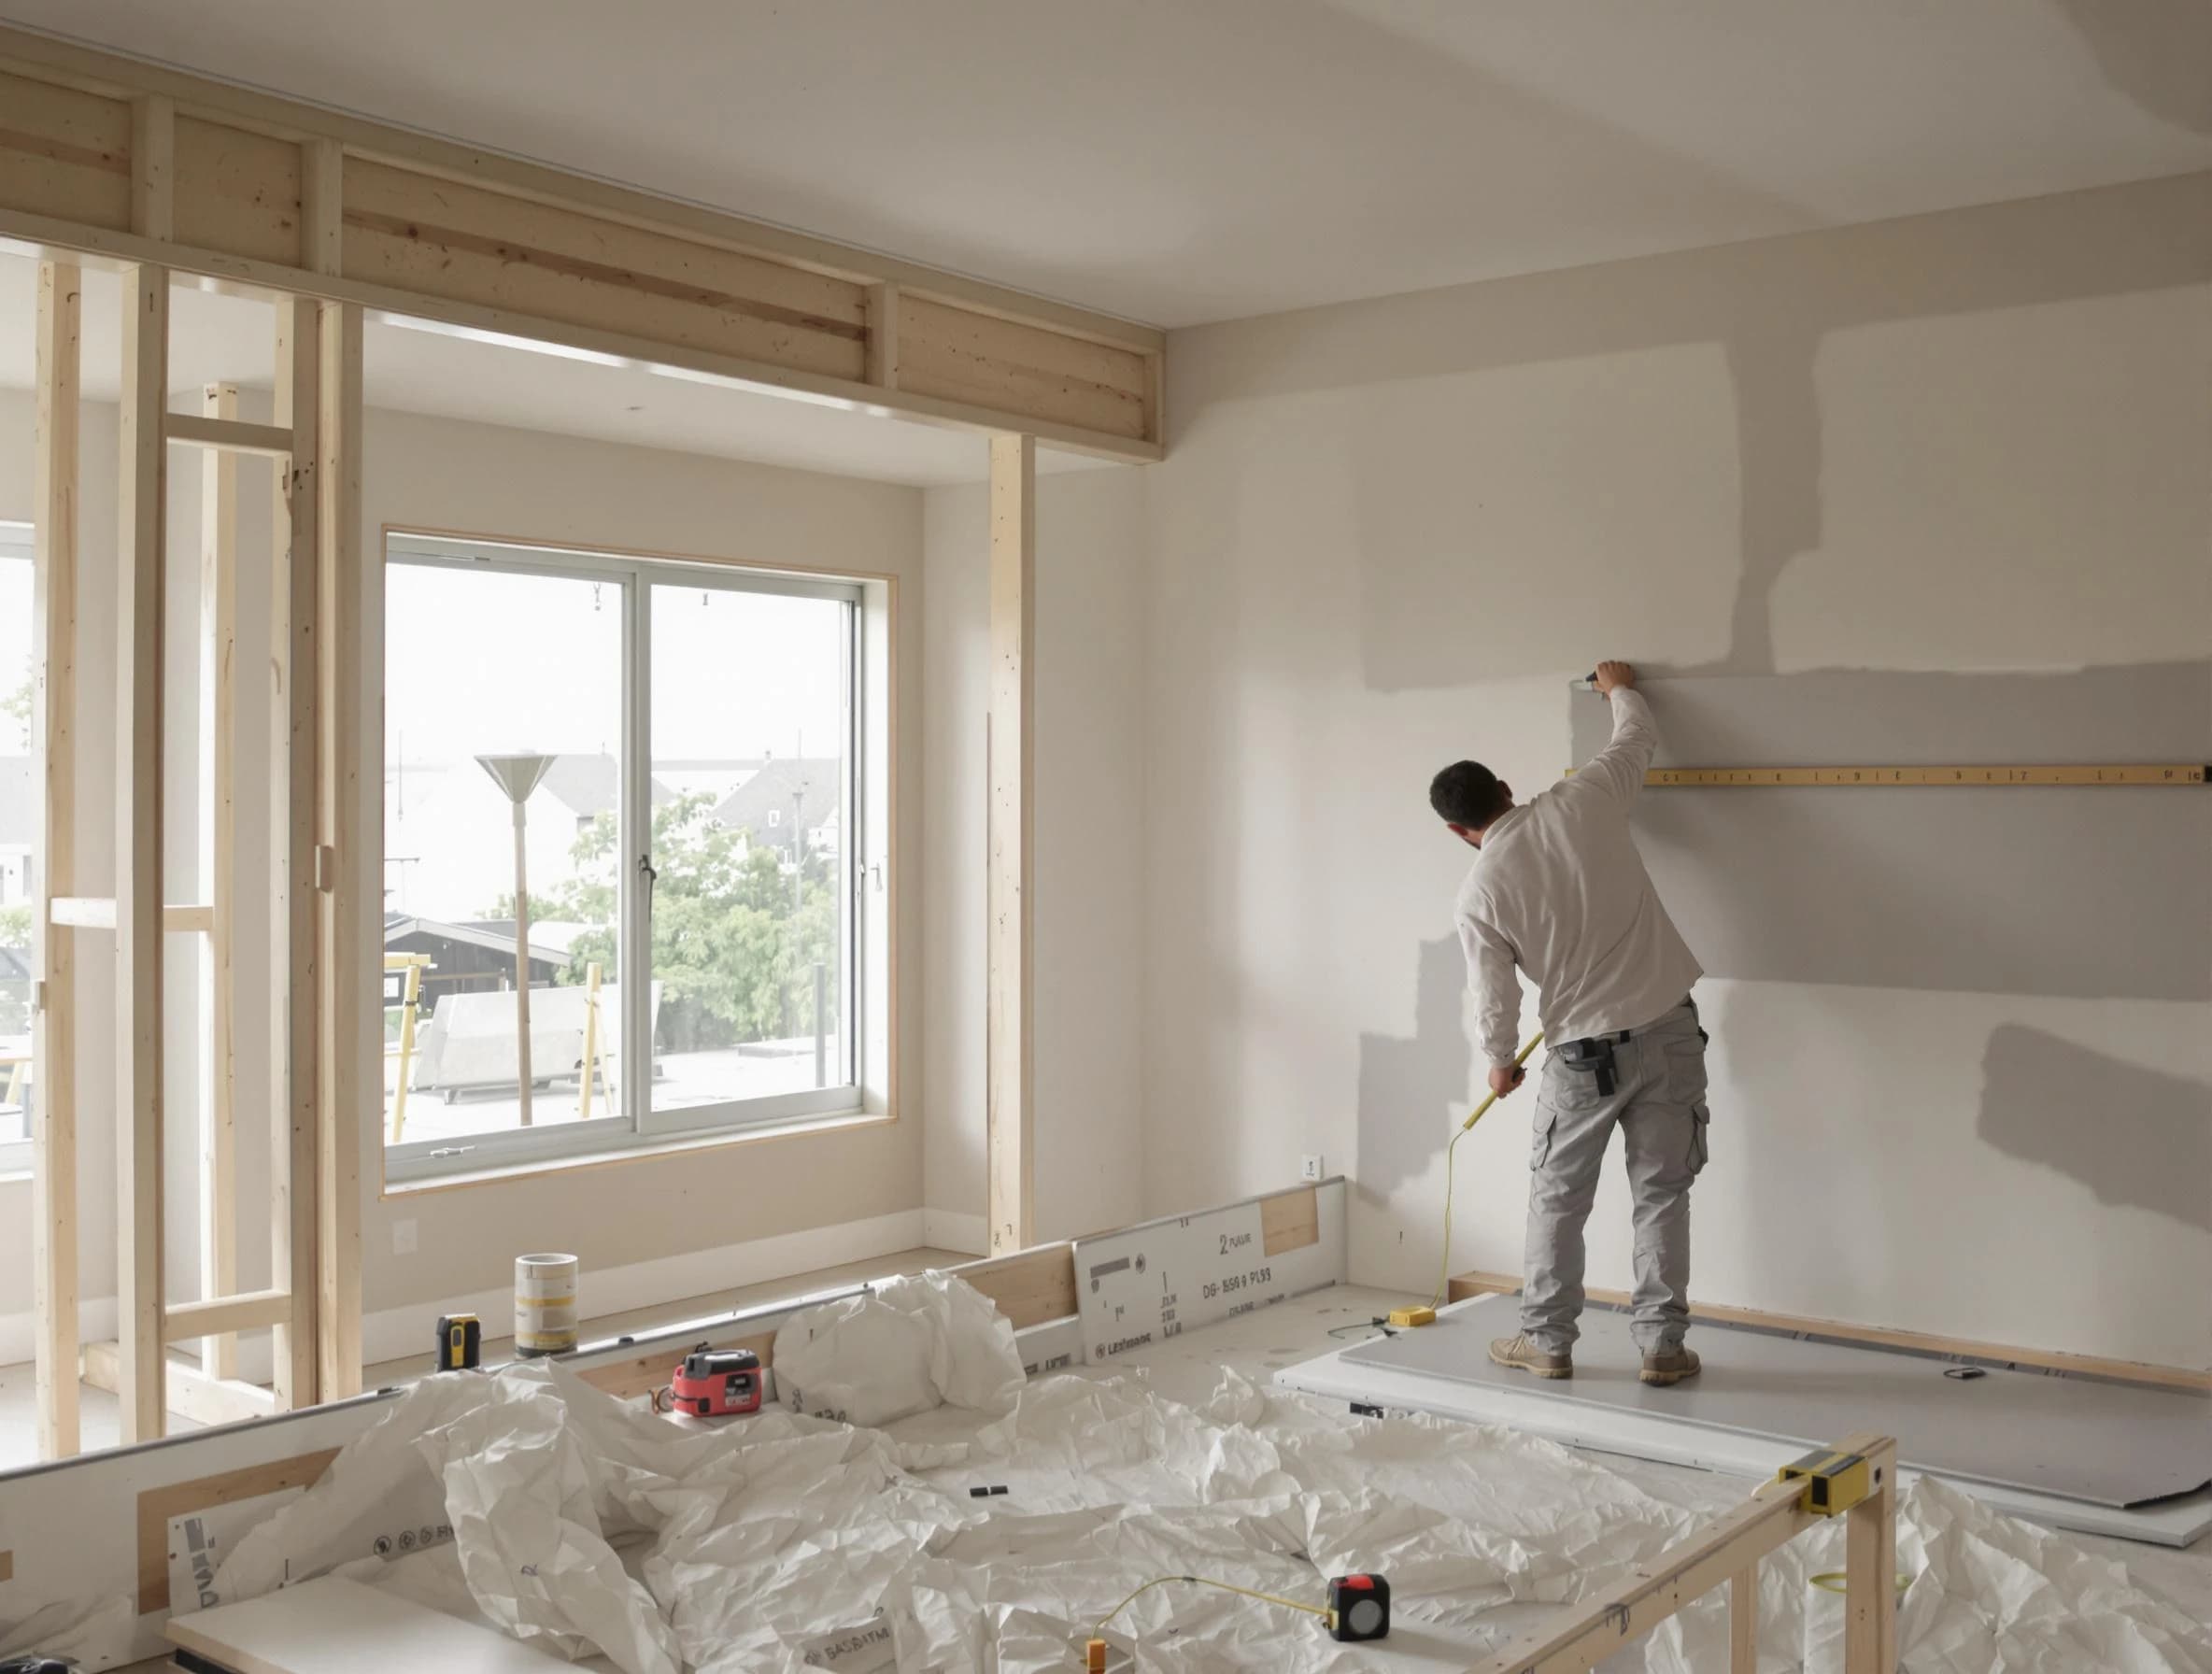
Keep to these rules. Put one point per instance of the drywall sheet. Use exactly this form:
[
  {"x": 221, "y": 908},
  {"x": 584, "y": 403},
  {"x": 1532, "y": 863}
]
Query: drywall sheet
[
  {"x": 1149, "y": 1282},
  {"x": 2108, "y": 1443},
  {"x": 2072, "y": 892},
  {"x": 336, "y": 1627}
]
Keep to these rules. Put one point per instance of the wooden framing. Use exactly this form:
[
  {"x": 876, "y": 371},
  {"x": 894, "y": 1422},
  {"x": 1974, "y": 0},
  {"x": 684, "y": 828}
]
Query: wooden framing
[
  {"x": 142, "y": 542},
  {"x": 1010, "y": 1048},
  {"x": 218, "y": 821},
  {"x": 53, "y": 740},
  {"x": 140, "y": 163},
  {"x": 1729, "y": 1549},
  {"x": 1464, "y": 1286}
]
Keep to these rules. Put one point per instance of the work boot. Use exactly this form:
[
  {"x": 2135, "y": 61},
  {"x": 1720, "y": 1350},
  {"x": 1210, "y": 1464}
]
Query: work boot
[
  {"x": 1669, "y": 1366},
  {"x": 1524, "y": 1355}
]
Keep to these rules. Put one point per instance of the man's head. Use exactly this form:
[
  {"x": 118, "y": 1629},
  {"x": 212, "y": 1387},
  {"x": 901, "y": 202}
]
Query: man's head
[{"x": 1468, "y": 797}]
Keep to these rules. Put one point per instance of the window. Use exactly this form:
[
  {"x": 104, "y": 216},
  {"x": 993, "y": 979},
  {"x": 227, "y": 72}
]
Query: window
[
  {"x": 19, "y": 799},
  {"x": 588, "y": 760}
]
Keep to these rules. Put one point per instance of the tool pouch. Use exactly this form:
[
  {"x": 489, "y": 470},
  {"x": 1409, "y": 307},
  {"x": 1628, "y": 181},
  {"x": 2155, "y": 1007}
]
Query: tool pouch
[{"x": 1592, "y": 1057}]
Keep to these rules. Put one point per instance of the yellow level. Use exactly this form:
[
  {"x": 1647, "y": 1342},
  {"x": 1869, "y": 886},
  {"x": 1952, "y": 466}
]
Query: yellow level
[{"x": 2190, "y": 772}]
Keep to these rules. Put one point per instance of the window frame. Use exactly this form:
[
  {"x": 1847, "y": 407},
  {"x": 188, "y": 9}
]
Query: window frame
[
  {"x": 19, "y": 540},
  {"x": 636, "y": 1126}
]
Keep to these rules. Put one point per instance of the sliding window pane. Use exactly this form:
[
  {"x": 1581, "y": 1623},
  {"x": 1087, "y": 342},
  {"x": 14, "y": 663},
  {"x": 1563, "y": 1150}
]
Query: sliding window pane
[
  {"x": 21, "y": 801},
  {"x": 502, "y": 792},
  {"x": 751, "y": 709}
]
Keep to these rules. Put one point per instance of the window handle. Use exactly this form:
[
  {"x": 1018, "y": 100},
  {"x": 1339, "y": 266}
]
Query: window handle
[{"x": 649, "y": 872}]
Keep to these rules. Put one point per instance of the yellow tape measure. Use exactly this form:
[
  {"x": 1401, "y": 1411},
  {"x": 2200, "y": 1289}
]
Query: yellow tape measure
[{"x": 2150, "y": 774}]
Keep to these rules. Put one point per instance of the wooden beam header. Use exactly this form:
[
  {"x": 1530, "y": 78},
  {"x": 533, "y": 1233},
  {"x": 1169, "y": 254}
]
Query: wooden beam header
[{"x": 111, "y": 157}]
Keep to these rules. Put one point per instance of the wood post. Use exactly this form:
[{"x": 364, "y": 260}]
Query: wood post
[
  {"x": 342, "y": 882},
  {"x": 1009, "y": 1051},
  {"x": 141, "y": 529},
  {"x": 1870, "y": 1571},
  {"x": 53, "y": 742},
  {"x": 294, "y": 1033},
  {"x": 1743, "y": 1621},
  {"x": 219, "y": 718}
]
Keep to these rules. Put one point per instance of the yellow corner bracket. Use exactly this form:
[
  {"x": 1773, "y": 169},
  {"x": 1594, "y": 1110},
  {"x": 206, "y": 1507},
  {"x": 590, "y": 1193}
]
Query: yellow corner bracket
[{"x": 1834, "y": 1483}]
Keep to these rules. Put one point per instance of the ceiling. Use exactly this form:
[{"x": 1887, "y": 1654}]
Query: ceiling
[
  {"x": 1184, "y": 160},
  {"x": 414, "y": 368}
]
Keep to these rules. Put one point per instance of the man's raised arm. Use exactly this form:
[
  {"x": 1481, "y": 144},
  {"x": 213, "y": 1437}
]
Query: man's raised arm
[{"x": 1620, "y": 767}]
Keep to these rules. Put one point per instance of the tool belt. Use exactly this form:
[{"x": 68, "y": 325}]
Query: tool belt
[{"x": 1594, "y": 1055}]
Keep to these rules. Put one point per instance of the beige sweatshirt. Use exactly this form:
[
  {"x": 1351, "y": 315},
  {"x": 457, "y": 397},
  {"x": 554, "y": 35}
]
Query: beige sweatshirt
[{"x": 1559, "y": 891}]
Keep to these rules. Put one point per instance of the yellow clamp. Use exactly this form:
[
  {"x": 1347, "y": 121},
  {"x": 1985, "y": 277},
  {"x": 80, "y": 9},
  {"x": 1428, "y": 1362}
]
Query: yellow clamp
[{"x": 1832, "y": 1482}]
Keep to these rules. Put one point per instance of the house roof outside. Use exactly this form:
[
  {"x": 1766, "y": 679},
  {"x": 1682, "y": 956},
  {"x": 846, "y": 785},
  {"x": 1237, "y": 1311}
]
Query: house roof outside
[
  {"x": 816, "y": 781},
  {"x": 588, "y": 786},
  {"x": 549, "y": 941}
]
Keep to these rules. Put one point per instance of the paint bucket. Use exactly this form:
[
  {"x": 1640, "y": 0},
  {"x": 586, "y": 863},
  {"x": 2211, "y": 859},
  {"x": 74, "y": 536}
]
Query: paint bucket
[{"x": 544, "y": 1304}]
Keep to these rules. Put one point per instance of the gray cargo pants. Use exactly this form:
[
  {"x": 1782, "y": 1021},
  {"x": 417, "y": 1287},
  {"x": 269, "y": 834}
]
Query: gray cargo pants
[{"x": 1658, "y": 1103}]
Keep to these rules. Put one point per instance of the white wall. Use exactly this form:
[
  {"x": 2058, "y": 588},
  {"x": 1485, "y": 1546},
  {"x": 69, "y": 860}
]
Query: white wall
[
  {"x": 1386, "y": 535},
  {"x": 1089, "y": 801},
  {"x": 805, "y": 1200}
]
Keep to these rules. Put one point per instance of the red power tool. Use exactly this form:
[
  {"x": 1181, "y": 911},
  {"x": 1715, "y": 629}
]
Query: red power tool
[{"x": 715, "y": 1382}]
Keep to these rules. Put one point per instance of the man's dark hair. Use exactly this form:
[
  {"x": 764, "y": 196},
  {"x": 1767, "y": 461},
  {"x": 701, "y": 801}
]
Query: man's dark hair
[{"x": 1467, "y": 794}]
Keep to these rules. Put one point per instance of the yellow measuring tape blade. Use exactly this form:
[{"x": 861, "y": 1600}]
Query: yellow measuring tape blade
[{"x": 1752, "y": 778}]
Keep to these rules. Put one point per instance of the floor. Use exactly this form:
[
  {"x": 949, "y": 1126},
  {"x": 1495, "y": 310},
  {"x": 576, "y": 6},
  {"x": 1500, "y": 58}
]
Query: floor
[{"x": 101, "y": 1417}]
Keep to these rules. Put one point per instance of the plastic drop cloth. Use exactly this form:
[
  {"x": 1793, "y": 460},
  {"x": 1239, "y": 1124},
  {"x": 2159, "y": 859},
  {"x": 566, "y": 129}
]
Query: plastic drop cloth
[
  {"x": 589, "y": 1526},
  {"x": 909, "y": 1344}
]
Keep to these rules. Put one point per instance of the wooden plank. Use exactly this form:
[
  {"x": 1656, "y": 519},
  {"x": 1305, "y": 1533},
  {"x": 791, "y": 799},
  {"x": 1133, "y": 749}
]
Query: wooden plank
[
  {"x": 219, "y": 844},
  {"x": 650, "y": 1369},
  {"x": 141, "y": 518},
  {"x": 197, "y": 919},
  {"x": 1954, "y": 1348},
  {"x": 193, "y": 1394},
  {"x": 156, "y": 1506},
  {"x": 340, "y": 957},
  {"x": 322, "y": 207},
  {"x": 293, "y": 908},
  {"x": 883, "y": 336},
  {"x": 1290, "y": 1220},
  {"x": 1657, "y": 1588},
  {"x": 1870, "y": 1568},
  {"x": 66, "y": 152},
  {"x": 153, "y": 167},
  {"x": 54, "y": 744},
  {"x": 1743, "y": 1621},
  {"x": 237, "y": 190},
  {"x": 1031, "y": 1287},
  {"x": 223, "y": 1315},
  {"x": 228, "y": 432},
  {"x": 972, "y": 357},
  {"x": 1009, "y": 1050},
  {"x": 473, "y": 245}
]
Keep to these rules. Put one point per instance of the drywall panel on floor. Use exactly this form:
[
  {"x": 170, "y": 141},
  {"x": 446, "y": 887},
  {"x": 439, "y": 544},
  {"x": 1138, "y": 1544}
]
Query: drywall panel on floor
[
  {"x": 2108, "y": 1443},
  {"x": 2074, "y": 892},
  {"x": 334, "y": 1626}
]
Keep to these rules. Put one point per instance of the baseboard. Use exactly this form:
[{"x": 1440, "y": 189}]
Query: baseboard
[
  {"x": 1917, "y": 1342},
  {"x": 397, "y": 1333},
  {"x": 946, "y": 1230}
]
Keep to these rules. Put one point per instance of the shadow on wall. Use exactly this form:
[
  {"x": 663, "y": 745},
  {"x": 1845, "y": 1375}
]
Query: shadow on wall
[
  {"x": 2155, "y": 51},
  {"x": 1408, "y": 1088},
  {"x": 2136, "y": 1138},
  {"x": 1488, "y": 515},
  {"x": 2072, "y": 892}
]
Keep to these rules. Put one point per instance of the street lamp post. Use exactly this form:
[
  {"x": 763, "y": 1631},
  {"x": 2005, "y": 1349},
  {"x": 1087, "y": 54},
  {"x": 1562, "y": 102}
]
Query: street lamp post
[{"x": 519, "y": 776}]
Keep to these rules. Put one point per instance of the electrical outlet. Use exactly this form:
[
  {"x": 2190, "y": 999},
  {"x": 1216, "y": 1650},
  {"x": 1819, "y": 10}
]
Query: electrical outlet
[
  {"x": 1309, "y": 1167},
  {"x": 403, "y": 1238}
]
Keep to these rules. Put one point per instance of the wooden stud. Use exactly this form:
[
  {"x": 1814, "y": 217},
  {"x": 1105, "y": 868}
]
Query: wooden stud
[
  {"x": 153, "y": 167},
  {"x": 1290, "y": 1220},
  {"x": 1030, "y": 1287},
  {"x": 218, "y": 722},
  {"x": 54, "y": 742},
  {"x": 156, "y": 1506},
  {"x": 340, "y": 954},
  {"x": 294, "y": 908},
  {"x": 322, "y": 209},
  {"x": 1155, "y": 398},
  {"x": 226, "y": 431},
  {"x": 141, "y": 585},
  {"x": 225, "y": 1315},
  {"x": 883, "y": 336},
  {"x": 1009, "y": 1050},
  {"x": 81, "y": 912},
  {"x": 1870, "y": 1570},
  {"x": 1743, "y": 1621}
]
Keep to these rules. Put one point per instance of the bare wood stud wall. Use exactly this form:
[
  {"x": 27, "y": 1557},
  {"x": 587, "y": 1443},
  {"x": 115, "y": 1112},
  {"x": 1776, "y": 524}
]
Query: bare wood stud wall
[
  {"x": 1010, "y": 1050},
  {"x": 53, "y": 722},
  {"x": 218, "y": 706}
]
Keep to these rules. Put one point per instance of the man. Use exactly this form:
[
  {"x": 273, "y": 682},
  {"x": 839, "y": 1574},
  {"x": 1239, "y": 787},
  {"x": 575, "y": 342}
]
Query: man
[{"x": 1559, "y": 891}]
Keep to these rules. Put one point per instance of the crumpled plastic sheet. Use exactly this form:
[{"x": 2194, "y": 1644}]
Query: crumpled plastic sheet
[
  {"x": 902, "y": 1347},
  {"x": 590, "y": 1525}
]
